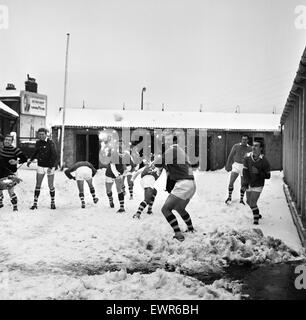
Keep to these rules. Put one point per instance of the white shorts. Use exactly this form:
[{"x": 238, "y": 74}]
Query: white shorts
[
  {"x": 237, "y": 168},
  {"x": 184, "y": 189},
  {"x": 45, "y": 170},
  {"x": 83, "y": 173},
  {"x": 109, "y": 179},
  {"x": 254, "y": 189},
  {"x": 147, "y": 181}
]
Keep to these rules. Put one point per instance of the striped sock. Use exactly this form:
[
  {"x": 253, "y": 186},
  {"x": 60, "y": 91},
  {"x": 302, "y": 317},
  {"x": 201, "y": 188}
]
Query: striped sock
[
  {"x": 110, "y": 198},
  {"x": 131, "y": 189},
  {"x": 14, "y": 201},
  {"x": 81, "y": 195},
  {"x": 173, "y": 223},
  {"x": 93, "y": 192},
  {"x": 242, "y": 191},
  {"x": 141, "y": 207},
  {"x": 52, "y": 194},
  {"x": 188, "y": 221},
  {"x": 121, "y": 200},
  {"x": 230, "y": 191},
  {"x": 256, "y": 215},
  {"x": 36, "y": 196},
  {"x": 152, "y": 201},
  {"x": 1, "y": 200}
]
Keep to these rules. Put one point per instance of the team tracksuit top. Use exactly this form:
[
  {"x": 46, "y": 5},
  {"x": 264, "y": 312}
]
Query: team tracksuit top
[
  {"x": 78, "y": 165},
  {"x": 45, "y": 153},
  {"x": 176, "y": 171},
  {"x": 261, "y": 164}
]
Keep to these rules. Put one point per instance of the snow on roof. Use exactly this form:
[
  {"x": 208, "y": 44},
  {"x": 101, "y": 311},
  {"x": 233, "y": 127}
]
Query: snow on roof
[
  {"x": 165, "y": 119},
  {"x": 10, "y": 93},
  {"x": 8, "y": 110}
]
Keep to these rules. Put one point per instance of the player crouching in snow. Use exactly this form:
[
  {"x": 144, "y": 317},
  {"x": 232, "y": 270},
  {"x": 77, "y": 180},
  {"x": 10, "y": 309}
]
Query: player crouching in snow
[
  {"x": 149, "y": 174},
  {"x": 83, "y": 170},
  {"x": 256, "y": 169},
  {"x": 9, "y": 156}
]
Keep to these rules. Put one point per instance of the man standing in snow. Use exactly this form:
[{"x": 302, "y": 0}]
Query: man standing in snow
[
  {"x": 256, "y": 169},
  {"x": 83, "y": 170},
  {"x": 130, "y": 170},
  {"x": 9, "y": 157},
  {"x": 175, "y": 161},
  {"x": 114, "y": 173},
  {"x": 46, "y": 155},
  {"x": 235, "y": 165}
]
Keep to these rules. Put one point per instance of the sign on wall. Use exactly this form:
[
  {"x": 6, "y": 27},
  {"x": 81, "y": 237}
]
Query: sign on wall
[
  {"x": 29, "y": 125},
  {"x": 33, "y": 104}
]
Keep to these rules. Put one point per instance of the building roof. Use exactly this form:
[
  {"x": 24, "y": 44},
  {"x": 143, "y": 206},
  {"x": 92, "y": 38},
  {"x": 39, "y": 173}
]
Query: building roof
[
  {"x": 10, "y": 93},
  {"x": 98, "y": 118},
  {"x": 4, "y": 108},
  {"x": 296, "y": 86}
]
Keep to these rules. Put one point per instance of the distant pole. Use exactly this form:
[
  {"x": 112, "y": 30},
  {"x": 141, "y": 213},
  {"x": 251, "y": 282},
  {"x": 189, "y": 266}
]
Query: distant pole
[
  {"x": 64, "y": 103},
  {"x": 83, "y": 107},
  {"x": 142, "y": 91}
]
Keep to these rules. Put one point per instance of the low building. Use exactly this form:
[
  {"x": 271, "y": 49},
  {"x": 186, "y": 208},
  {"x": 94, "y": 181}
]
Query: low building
[
  {"x": 223, "y": 130},
  {"x": 8, "y": 119},
  {"x": 31, "y": 110},
  {"x": 293, "y": 121}
]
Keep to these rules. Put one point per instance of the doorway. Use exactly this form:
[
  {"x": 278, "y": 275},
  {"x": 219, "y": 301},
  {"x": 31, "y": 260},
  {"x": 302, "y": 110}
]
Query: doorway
[
  {"x": 209, "y": 144},
  {"x": 87, "y": 148}
]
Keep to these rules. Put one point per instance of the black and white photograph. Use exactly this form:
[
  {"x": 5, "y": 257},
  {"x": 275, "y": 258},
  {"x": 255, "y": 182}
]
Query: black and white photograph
[{"x": 152, "y": 150}]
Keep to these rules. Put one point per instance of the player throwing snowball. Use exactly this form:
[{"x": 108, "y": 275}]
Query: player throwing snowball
[{"x": 235, "y": 165}]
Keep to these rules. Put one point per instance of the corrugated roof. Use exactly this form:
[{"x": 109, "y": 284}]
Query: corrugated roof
[
  {"x": 97, "y": 118},
  {"x": 8, "y": 110},
  {"x": 296, "y": 86}
]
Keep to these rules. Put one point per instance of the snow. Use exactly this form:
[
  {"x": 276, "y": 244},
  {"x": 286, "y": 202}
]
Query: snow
[
  {"x": 29, "y": 141},
  {"x": 94, "y": 253},
  {"x": 159, "y": 119},
  {"x": 119, "y": 285},
  {"x": 8, "y": 110},
  {"x": 10, "y": 93}
]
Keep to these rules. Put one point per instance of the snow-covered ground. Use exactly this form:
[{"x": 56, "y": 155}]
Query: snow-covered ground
[{"x": 95, "y": 253}]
